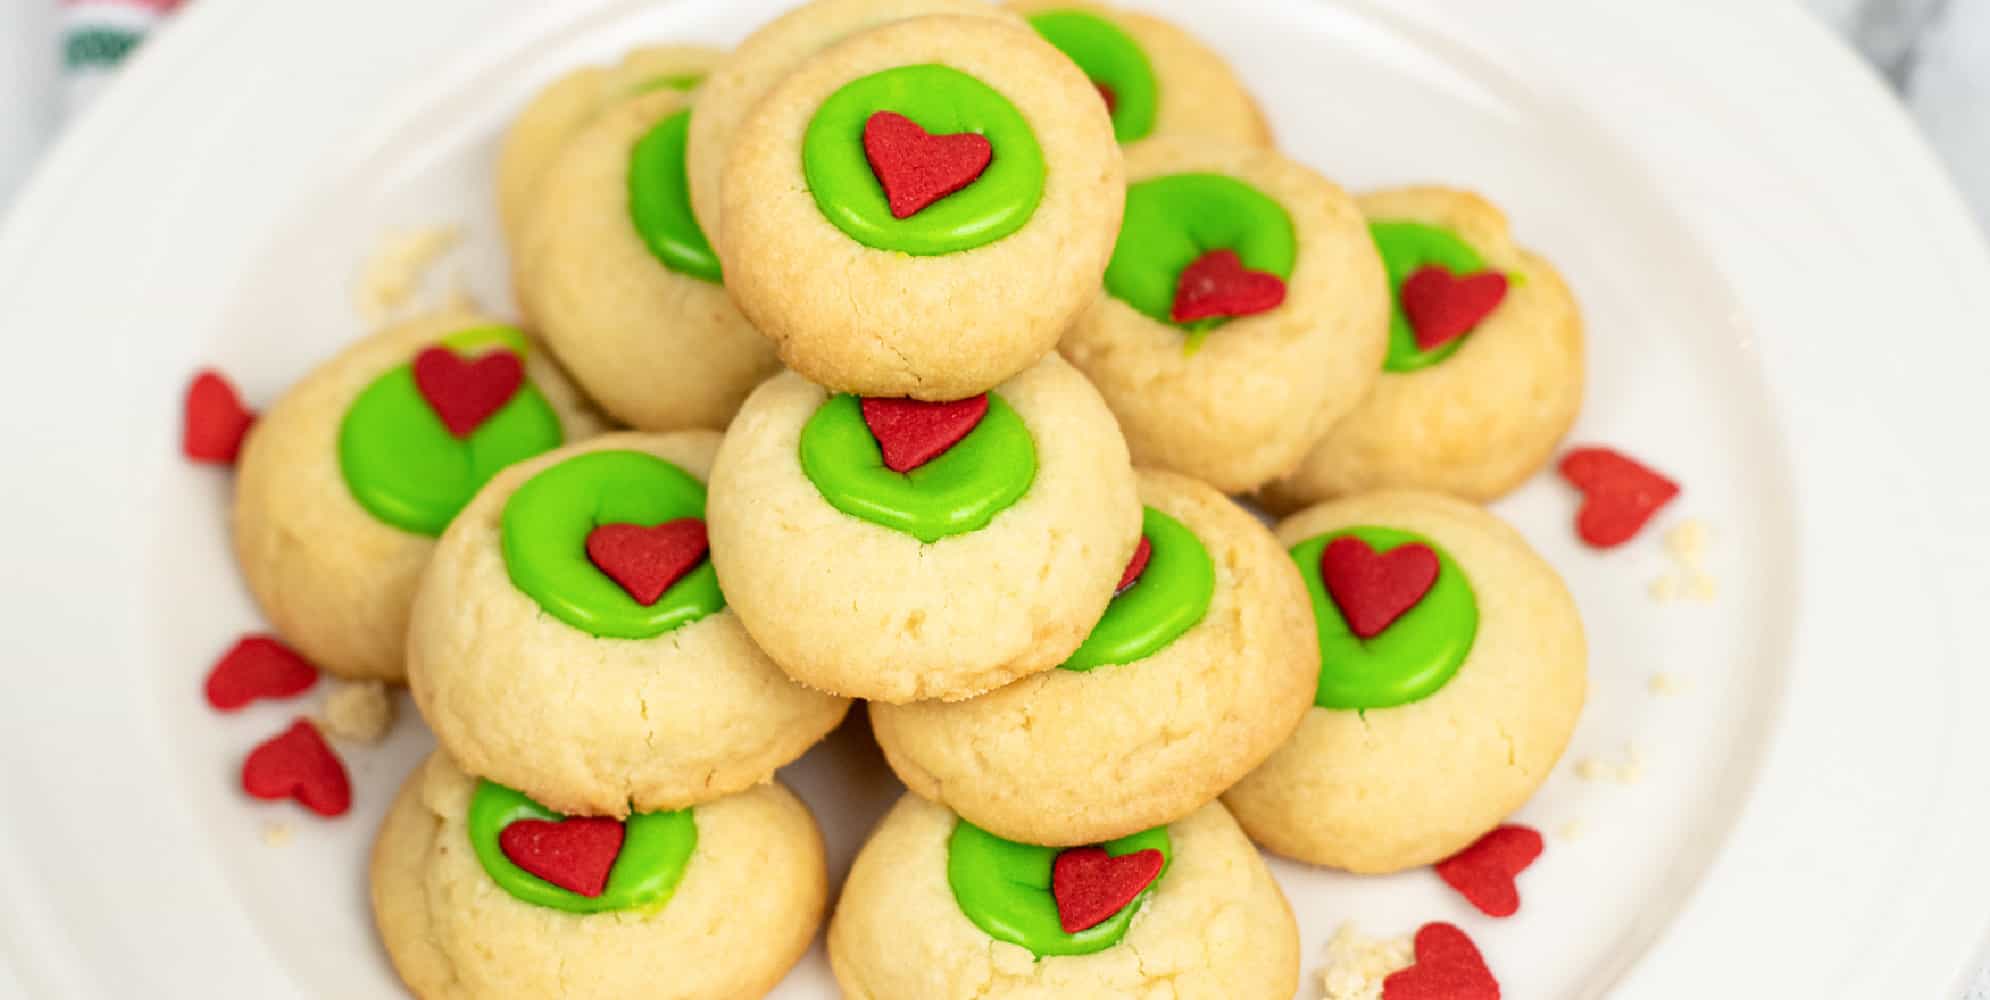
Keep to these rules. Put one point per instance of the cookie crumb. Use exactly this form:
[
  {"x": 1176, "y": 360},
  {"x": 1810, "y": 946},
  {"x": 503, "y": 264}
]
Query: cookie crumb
[
  {"x": 399, "y": 268},
  {"x": 1665, "y": 589},
  {"x": 1357, "y": 964},
  {"x": 358, "y": 712},
  {"x": 1572, "y": 830},
  {"x": 1628, "y": 771},
  {"x": 1687, "y": 541},
  {"x": 1688, "y": 580},
  {"x": 1662, "y": 683},
  {"x": 276, "y": 834},
  {"x": 1701, "y": 587}
]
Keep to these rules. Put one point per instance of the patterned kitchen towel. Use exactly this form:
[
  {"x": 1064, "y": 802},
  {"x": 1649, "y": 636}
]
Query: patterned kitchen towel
[{"x": 97, "y": 35}]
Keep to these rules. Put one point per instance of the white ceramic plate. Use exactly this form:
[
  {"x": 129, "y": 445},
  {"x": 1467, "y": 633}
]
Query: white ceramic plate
[{"x": 1786, "y": 308}]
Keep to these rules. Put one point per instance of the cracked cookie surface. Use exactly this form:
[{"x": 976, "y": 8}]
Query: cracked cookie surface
[
  {"x": 1074, "y": 757},
  {"x": 1386, "y": 789},
  {"x": 753, "y": 892},
  {"x": 1215, "y": 925},
  {"x": 583, "y": 723}
]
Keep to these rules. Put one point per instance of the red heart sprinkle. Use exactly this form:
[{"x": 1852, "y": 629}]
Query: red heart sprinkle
[
  {"x": 575, "y": 853},
  {"x": 1483, "y": 873},
  {"x": 215, "y": 420},
  {"x": 1218, "y": 284},
  {"x": 296, "y": 764},
  {"x": 1448, "y": 967},
  {"x": 918, "y": 168},
  {"x": 647, "y": 560},
  {"x": 1135, "y": 566},
  {"x": 466, "y": 393},
  {"x": 1373, "y": 590},
  {"x": 1091, "y": 885},
  {"x": 1619, "y": 494},
  {"x": 912, "y": 432},
  {"x": 1110, "y": 96},
  {"x": 1443, "y": 307},
  {"x": 258, "y": 666}
]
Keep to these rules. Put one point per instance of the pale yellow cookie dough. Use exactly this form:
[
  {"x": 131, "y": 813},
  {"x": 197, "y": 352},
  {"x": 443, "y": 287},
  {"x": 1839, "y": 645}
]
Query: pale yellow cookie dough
[
  {"x": 1215, "y": 927},
  {"x": 1478, "y": 423},
  {"x": 862, "y": 610},
  {"x": 592, "y": 725},
  {"x": 764, "y": 59},
  {"x": 569, "y": 103},
  {"x": 1395, "y": 788},
  {"x": 1065, "y": 758},
  {"x": 1259, "y": 391},
  {"x": 750, "y": 901},
  {"x": 1199, "y": 94},
  {"x": 884, "y": 323},
  {"x": 659, "y": 349},
  {"x": 335, "y": 582}
]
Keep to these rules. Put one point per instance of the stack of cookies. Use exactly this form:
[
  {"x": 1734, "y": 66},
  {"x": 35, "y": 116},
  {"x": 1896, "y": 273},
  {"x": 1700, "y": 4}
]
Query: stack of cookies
[{"x": 946, "y": 332}]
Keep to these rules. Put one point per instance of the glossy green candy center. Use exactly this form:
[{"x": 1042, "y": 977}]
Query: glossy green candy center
[
  {"x": 660, "y": 201},
  {"x": 1004, "y": 888},
  {"x": 1113, "y": 60},
  {"x": 656, "y": 848},
  {"x": 1172, "y": 221},
  {"x": 943, "y": 101},
  {"x": 1407, "y": 247},
  {"x": 544, "y": 537},
  {"x": 1410, "y": 660},
  {"x": 960, "y": 491},
  {"x": 402, "y": 465},
  {"x": 1168, "y": 599}
]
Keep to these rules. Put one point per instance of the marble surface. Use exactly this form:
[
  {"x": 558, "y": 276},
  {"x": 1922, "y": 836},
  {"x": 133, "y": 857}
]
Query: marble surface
[{"x": 1936, "y": 53}]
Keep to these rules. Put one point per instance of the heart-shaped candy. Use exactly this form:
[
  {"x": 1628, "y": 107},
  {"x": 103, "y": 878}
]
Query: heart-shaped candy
[
  {"x": 1218, "y": 285},
  {"x": 918, "y": 168},
  {"x": 575, "y": 853},
  {"x": 913, "y": 432},
  {"x": 1442, "y": 307},
  {"x": 1483, "y": 873},
  {"x": 1448, "y": 967},
  {"x": 215, "y": 420},
  {"x": 1142, "y": 554},
  {"x": 258, "y": 666},
  {"x": 1110, "y": 96},
  {"x": 1619, "y": 494},
  {"x": 466, "y": 393},
  {"x": 1374, "y": 589},
  {"x": 647, "y": 560},
  {"x": 1090, "y": 885},
  {"x": 296, "y": 764}
]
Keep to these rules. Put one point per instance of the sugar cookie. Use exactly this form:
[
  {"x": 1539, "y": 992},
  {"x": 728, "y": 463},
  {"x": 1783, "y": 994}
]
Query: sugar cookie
[
  {"x": 1155, "y": 78},
  {"x": 617, "y": 274},
  {"x": 1453, "y": 670},
  {"x": 570, "y": 640},
  {"x": 937, "y": 909},
  {"x": 1485, "y": 366},
  {"x": 766, "y": 57},
  {"x": 988, "y": 558},
  {"x": 1201, "y": 667},
  {"x": 345, "y": 483},
  {"x": 921, "y": 209},
  {"x": 1245, "y": 311},
  {"x": 478, "y": 892},
  {"x": 568, "y": 104}
]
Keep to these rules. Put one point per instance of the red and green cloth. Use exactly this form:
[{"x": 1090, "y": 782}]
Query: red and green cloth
[{"x": 97, "y": 35}]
